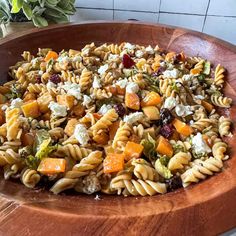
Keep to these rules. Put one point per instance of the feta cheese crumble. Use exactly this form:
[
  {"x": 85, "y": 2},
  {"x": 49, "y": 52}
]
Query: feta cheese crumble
[
  {"x": 86, "y": 100},
  {"x": 51, "y": 85},
  {"x": 182, "y": 110},
  {"x": 200, "y": 97},
  {"x": 81, "y": 134},
  {"x": 57, "y": 109},
  {"x": 139, "y": 53},
  {"x": 122, "y": 83},
  {"x": 149, "y": 50},
  {"x": 104, "y": 109},
  {"x": 77, "y": 58},
  {"x": 129, "y": 46},
  {"x": 132, "y": 87},
  {"x": 170, "y": 103},
  {"x": 16, "y": 103},
  {"x": 72, "y": 89},
  {"x": 113, "y": 57},
  {"x": 134, "y": 117},
  {"x": 96, "y": 82},
  {"x": 103, "y": 69},
  {"x": 199, "y": 145},
  {"x": 171, "y": 73}
]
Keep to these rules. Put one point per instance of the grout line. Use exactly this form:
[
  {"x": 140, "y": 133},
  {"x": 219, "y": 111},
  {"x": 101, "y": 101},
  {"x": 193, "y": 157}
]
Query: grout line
[
  {"x": 113, "y": 4},
  {"x": 158, "y": 20},
  {"x": 204, "y": 22},
  {"x": 176, "y": 13}
]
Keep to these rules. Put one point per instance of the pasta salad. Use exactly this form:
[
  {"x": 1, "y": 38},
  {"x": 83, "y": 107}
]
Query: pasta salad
[{"x": 115, "y": 118}]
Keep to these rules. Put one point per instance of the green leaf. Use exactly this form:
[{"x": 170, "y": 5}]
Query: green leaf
[
  {"x": 39, "y": 21},
  {"x": 162, "y": 170},
  {"x": 27, "y": 11},
  {"x": 16, "y": 6},
  {"x": 207, "y": 68},
  {"x": 32, "y": 162},
  {"x": 164, "y": 160},
  {"x": 149, "y": 145}
]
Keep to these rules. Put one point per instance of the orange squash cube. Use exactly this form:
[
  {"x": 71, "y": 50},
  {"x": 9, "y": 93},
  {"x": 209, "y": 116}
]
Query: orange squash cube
[
  {"x": 70, "y": 126},
  {"x": 43, "y": 102},
  {"x": 27, "y": 139},
  {"x": 31, "y": 109},
  {"x": 133, "y": 150},
  {"x": 113, "y": 163},
  {"x": 101, "y": 138},
  {"x": 51, "y": 55},
  {"x": 78, "y": 110},
  {"x": 67, "y": 100},
  {"x": 164, "y": 147},
  {"x": 132, "y": 101},
  {"x": 209, "y": 107},
  {"x": 50, "y": 166},
  {"x": 182, "y": 127},
  {"x": 113, "y": 128},
  {"x": 29, "y": 96},
  {"x": 151, "y": 99}
]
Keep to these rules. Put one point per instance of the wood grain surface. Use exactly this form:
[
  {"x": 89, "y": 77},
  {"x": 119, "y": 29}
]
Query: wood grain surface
[{"x": 207, "y": 208}]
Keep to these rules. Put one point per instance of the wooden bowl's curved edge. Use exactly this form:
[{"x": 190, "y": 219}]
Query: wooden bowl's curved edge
[{"x": 189, "y": 209}]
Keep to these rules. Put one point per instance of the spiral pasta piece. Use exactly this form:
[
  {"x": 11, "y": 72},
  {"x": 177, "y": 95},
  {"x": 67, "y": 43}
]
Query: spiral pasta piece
[
  {"x": 179, "y": 160},
  {"x": 224, "y": 126},
  {"x": 85, "y": 79},
  {"x": 219, "y": 75},
  {"x": 13, "y": 124},
  {"x": 221, "y": 101}
]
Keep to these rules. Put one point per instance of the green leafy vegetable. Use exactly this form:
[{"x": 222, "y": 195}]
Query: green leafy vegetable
[
  {"x": 32, "y": 162},
  {"x": 207, "y": 68},
  {"x": 15, "y": 92},
  {"x": 149, "y": 145},
  {"x": 201, "y": 77},
  {"x": 45, "y": 149},
  {"x": 164, "y": 160},
  {"x": 162, "y": 170}
]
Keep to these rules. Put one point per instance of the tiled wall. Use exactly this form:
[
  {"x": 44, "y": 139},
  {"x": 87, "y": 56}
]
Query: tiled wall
[{"x": 215, "y": 17}]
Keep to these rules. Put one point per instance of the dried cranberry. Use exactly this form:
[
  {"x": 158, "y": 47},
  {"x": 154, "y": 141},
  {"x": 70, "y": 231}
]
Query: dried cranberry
[
  {"x": 166, "y": 116},
  {"x": 55, "y": 79},
  {"x": 167, "y": 131},
  {"x": 127, "y": 61},
  {"x": 38, "y": 80},
  {"x": 174, "y": 183},
  {"x": 120, "y": 109}
]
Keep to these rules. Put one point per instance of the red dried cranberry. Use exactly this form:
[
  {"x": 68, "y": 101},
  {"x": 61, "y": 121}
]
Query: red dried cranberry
[
  {"x": 38, "y": 80},
  {"x": 166, "y": 131},
  {"x": 120, "y": 109},
  {"x": 174, "y": 183},
  {"x": 55, "y": 79},
  {"x": 166, "y": 116},
  {"x": 127, "y": 61}
]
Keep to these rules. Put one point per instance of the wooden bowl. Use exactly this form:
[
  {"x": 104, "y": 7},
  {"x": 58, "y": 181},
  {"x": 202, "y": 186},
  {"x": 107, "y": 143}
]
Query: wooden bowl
[{"x": 207, "y": 208}]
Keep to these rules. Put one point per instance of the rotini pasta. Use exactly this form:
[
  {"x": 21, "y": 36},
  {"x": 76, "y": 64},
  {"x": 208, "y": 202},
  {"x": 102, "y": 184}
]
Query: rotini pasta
[{"x": 113, "y": 118}]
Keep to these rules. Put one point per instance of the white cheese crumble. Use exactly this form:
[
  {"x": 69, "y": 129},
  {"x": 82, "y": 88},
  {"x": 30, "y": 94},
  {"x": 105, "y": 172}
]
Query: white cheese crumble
[
  {"x": 122, "y": 83},
  {"x": 4, "y": 107},
  {"x": 170, "y": 103},
  {"x": 129, "y": 46},
  {"x": 16, "y": 103},
  {"x": 57, "y": 109},
  {"x": 81, "y": 134},
  {"x": 162, "y": 64},
  {"x": 139, "y": 53},
  {"x": 182, "y": 110},
  {"x": 113, "y": 57},
  {"x": 63, "y": 59},
  {"x": 103, "y": 69},
  {"x": 127, "y": 72},
  {"x": 51, "y": 85},
  {"x": 86, "y": 100},
  {"x": 149, "y": 50},
  {"x": 40, "y": 72},
  {"x": 200, "y": 97},
  {"x": 72, "y": 89},
  {"x": 133, "y": 117},
  {"x": 171, "y": 73},
  {"x": 187, "y": 77},
  {"x": 77, "y": 58},
  {"x": 199, "y": 145},
  {"x": 96, "y": 82},
  {"x": 132, "y": 87},
  {"x": 104, "y": 109}
]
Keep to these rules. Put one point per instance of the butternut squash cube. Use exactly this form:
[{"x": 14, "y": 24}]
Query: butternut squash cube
[
  {"x": 151, "y": 99},
  {"x": 43, "y": 102},
  {"x": 164, "y": 147},
  {"x": 132, "y": 101},
  {"x": 182, "y": 127},
  {"x": 113, "y": 163},
  {"x": 133, "y": 150},
  {"x": 151, "y": 112},
  {"x": 31, "y": 109},
  {"x": 70, "y": 126},
  {"x": 50, "y": 166},
  {"x": 67, "y": 100}
]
